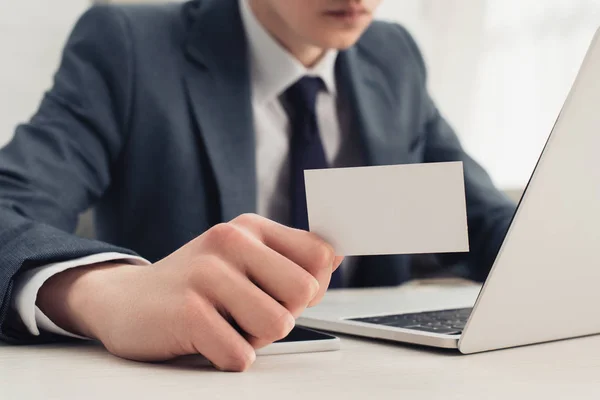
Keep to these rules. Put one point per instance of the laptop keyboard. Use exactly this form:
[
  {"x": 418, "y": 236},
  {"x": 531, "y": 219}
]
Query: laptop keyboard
[{"x": 447, "y": 322}]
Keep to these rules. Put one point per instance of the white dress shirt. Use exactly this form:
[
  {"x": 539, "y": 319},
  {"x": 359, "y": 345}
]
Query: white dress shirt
[{"x": 273, "y": 71}]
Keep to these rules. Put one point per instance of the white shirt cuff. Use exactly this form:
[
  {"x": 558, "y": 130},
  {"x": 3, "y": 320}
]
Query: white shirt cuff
[{"x": 29, "y": 284}]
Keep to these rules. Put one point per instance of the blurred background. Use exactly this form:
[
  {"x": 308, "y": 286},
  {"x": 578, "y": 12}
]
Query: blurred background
[{"x": 498, "y": 69}]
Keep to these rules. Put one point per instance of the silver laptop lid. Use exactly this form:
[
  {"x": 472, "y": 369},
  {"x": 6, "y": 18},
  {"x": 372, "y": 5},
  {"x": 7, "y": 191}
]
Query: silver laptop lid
[{"x": 545, "y": 283}]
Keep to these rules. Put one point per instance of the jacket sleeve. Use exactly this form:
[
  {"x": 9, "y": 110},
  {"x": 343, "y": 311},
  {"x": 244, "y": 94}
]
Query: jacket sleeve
[
  {"x": 59, "y": 163},
  {"x": 489, "y": 211}
]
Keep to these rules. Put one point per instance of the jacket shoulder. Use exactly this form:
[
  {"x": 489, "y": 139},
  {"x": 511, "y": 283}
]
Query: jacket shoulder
[
  {"x": 145, "y": 21},
  {"x": 390, "y": 45}
]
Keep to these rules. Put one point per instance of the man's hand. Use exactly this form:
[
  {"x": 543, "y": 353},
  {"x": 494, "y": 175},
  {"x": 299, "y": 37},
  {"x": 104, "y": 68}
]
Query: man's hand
[{"x": 250, "y": 272}]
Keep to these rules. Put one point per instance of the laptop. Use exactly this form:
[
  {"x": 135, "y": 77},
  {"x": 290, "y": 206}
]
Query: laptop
[{"x": 545, "y": 282}]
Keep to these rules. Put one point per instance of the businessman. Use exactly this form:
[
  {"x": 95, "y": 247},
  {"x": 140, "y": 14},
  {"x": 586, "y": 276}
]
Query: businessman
[{"x": 188, "y": 128}]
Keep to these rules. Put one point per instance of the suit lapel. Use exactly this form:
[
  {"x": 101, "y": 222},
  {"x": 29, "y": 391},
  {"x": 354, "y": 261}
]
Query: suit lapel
[
  {"x": 373, "y": 108},
  {"x": 217, "y": 78}
]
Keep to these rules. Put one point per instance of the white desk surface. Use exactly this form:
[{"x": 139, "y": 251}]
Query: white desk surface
[{"x": 362, "y": 369}]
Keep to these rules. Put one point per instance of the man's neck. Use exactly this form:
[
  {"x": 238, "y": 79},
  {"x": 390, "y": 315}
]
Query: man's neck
[{"x": 307, "y": 54}]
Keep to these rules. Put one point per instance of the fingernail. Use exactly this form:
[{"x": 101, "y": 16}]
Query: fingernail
[
  {"x": 252, "y": 357},
  {"x": 291, "y": 322},
  {"x": 315, "y": 288}
]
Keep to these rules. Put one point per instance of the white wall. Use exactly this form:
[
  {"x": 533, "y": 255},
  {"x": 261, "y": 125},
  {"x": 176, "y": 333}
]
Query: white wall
[{"x": 32, "y": 33}]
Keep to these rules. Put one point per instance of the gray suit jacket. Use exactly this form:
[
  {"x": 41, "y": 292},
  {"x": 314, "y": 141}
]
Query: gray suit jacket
[{"x": 150, "y": 121}]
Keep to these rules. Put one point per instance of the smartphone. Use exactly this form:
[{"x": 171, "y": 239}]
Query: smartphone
[{"x": 302, "y": 340}]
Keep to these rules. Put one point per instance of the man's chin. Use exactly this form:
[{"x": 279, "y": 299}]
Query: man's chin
[{"x": 341, "y": 41}]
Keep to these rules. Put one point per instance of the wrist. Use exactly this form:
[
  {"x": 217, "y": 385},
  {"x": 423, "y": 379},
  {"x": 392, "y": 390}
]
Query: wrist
[{"x": 71, "y": 299}]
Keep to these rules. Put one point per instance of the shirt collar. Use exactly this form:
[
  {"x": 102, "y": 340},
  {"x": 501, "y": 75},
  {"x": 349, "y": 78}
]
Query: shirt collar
[{"x": 273, "y": 68}]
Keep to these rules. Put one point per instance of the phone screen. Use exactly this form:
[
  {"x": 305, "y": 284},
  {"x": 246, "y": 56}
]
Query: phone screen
[
  {"x": 302, "y": 340},
  {"x": 302, "y": 335}
]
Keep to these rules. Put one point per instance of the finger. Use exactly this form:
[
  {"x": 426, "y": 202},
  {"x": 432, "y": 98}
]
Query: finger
[
  {"x": 337, "y": 262},
  {"x": 255, "y": 312},
  {"x": 317, "y": 299},
  {"x": 276, "y": 275},
  {"x": 217, "y": 340},
  {"x": 304, "y": 248}
]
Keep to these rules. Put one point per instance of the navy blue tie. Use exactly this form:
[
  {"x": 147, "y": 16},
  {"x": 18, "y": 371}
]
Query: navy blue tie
[{"x": 306, "y": 149}]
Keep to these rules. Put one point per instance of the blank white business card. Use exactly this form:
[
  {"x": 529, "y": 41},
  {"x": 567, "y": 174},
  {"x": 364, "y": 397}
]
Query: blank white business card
[{"x": 396, "y": 209}]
